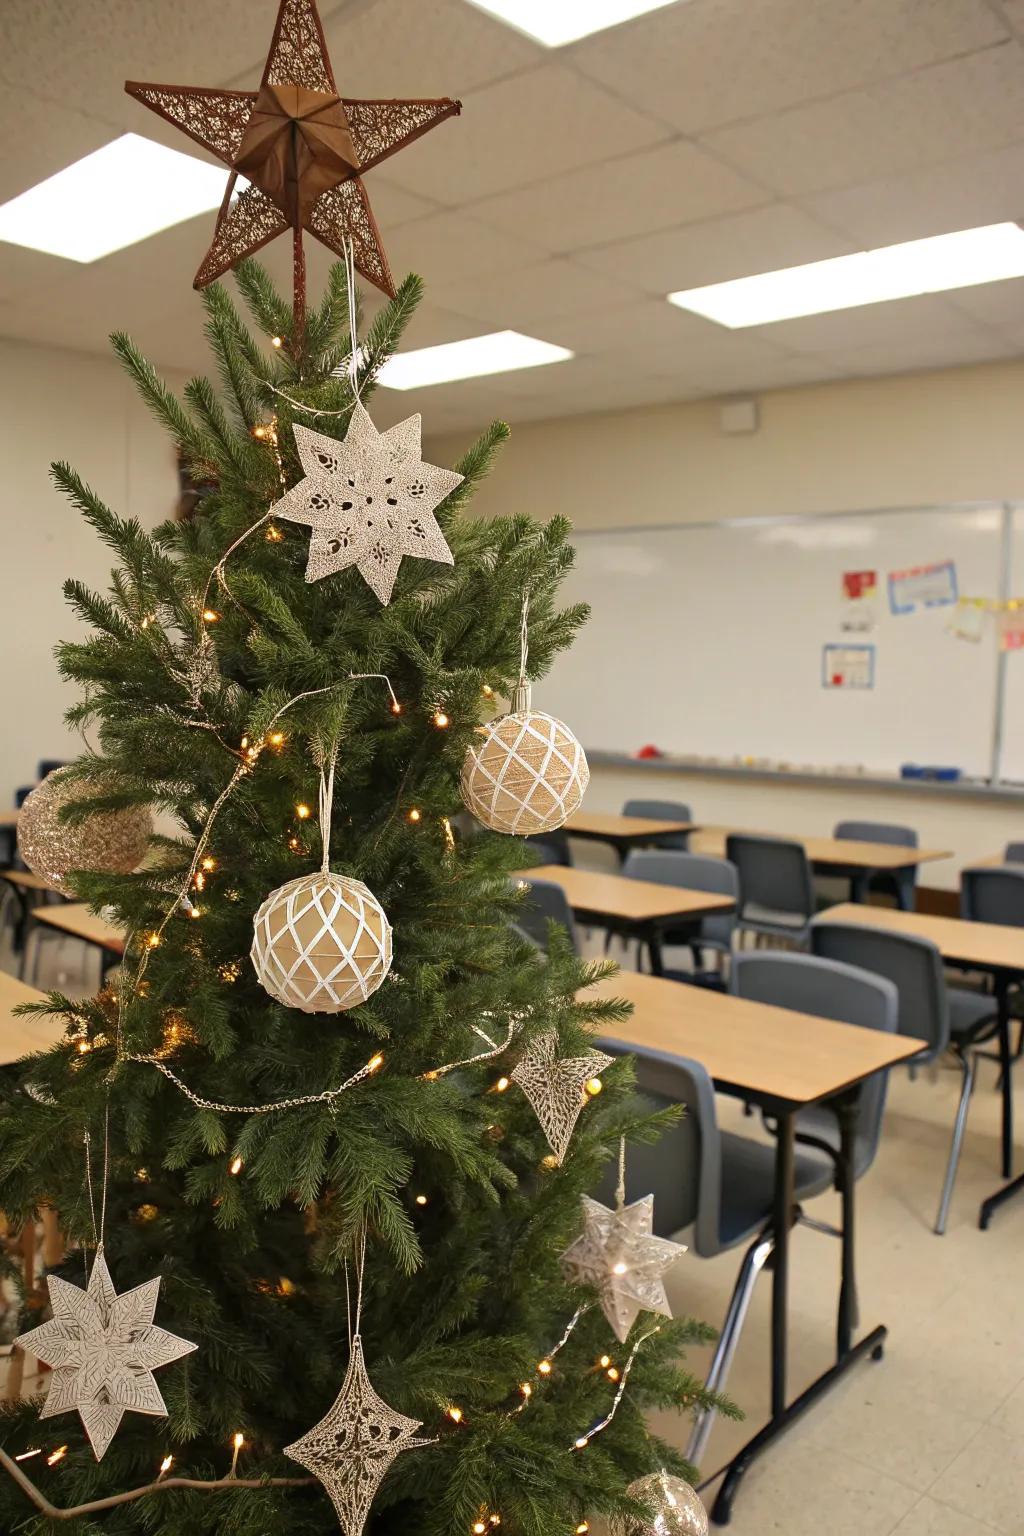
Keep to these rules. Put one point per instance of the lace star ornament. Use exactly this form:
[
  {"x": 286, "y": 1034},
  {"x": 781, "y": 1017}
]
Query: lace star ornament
[
  {"x": 618, "y": 1256},
  {"x": 103, "y": 1349},
  {"x": 352, "y": 1448},
  {"x": 369, "y": 500},
  {"x": 556, "y": 1089}
]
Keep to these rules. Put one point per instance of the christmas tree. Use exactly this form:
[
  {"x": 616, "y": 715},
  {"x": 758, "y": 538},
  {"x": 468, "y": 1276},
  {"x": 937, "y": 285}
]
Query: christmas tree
[{"x": 359, "y": 1155}]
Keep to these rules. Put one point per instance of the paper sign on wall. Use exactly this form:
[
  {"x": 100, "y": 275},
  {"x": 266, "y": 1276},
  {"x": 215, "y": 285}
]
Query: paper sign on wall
[
  {"x": 1011, "y": 629},
  {"x": 967, "y": 621},
  {"x": 860, "y": 594},
  {"x": 922, "y": 586},
  {"x": 848, "y": 666}
]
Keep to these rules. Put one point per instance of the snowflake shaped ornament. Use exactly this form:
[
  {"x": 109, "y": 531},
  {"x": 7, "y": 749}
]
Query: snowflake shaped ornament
[
  {"x": 618, "y": 1256},
  {"x": 103, "y": 1349},
  {"x": 369, "y": 501},
  {"x": 557, "y": 1090},
  {"x": 352, "y": 1448}
]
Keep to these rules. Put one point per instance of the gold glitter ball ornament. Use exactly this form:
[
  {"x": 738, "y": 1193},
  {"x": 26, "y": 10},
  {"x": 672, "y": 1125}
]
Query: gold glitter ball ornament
[
  {"x": 321, "y": 943},
  {"x": 111, "y": 842},
  {"x": 677, "y": 1509},
  {"x": 527, "y": 774}
]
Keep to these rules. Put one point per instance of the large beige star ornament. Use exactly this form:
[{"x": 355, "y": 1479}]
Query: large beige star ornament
[
  {"x": 620, "y": 1258},
  {"x": 370, "y": 500}
]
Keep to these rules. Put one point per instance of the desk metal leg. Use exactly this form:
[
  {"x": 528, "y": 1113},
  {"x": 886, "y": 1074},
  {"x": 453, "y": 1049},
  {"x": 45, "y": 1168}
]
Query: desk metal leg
[
  {"x": 846, "y": 1111},
  {"x": 654, "y": 951},
  {"x": 1006, "y": 1073},
  {"x": 848, "y": 1354}
]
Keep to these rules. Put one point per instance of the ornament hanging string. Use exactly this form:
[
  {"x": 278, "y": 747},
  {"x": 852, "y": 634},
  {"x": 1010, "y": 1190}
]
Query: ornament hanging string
[
  {"x": 620, "y": 1188},
  {"x": 348, "y": 256},
  {"x": 328, "y": 763}
]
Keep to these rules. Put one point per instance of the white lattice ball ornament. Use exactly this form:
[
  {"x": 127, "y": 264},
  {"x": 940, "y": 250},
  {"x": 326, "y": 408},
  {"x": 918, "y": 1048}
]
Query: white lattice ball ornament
[
  {"x": 321, "y": 943},
  {"x": 112, "y": 842},
  {"x": 527, "y": 774}
]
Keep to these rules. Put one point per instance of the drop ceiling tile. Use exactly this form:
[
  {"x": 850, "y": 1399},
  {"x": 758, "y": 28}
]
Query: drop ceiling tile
[
  {"x": 752, "y": 378},
  {"x": 447, "y": 246},
  {"x": 709, "y": 62},
  {"x": 1013, "y": 10},
  {"x": 41, "y": 139},
  {"x": 973, "y": 103},
  {"x": 994, "y": 304},
  {"x": 520, "y": 130},
  {"x": 962, "y": 193},
  {"x": 524, "y": 297},
  {"x": 719, "y": 249},
  {"x": 649, "y": 324},
  {"x": 937, "y": 352},
  {"x": 429, "y": 326},
  {"x": 676, "y": 183},
  {"x": 897, "y": 323}
]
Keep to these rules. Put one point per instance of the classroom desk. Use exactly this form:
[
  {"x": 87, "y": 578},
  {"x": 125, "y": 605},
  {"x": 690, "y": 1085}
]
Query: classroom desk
[
  {"x": 634, "y": 908},
  {"x": 8, "y": 819},
  {"x": 20, "y": 1036},
  {"x": 986, "y": 947},
  {"x": 623, "y": 832},
  {"x": 837, "y": 853},
  {"x": 28, "y": 890},
  {"x": 75, "y": 918},
  {"x": 782, "y": 1061}
]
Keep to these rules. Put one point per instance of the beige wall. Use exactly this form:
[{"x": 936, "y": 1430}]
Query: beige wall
[
  {"x": 916, "y": 439},
  {"x": 912, "y": 440},
  {"x": 61, "y": 405}
]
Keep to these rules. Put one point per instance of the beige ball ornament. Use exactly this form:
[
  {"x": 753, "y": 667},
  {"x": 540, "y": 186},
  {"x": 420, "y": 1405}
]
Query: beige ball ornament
[
  {"x": 321, "y": 943},
  {"x": 527, "y": 774},
  {"x": 677, "y": 1509},
  {"x": 112, "y": 842}
]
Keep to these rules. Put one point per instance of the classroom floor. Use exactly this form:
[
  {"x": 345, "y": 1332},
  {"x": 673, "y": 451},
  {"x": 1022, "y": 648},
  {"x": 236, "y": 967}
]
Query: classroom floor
[{"x": 929, "y": 1442}]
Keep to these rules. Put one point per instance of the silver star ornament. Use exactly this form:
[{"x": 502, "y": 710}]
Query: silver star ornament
[
  {"x": 353, "y": 1446},
  {"x": 103, "y": 1349},
  {"x": 618, "y": 1257},
  {"x": 557, "y": 1090},
  {"x": 369, "y": 501}
]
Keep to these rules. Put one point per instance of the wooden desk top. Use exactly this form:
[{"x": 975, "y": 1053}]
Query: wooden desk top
[
  {"x": 836, "y": 851},
  {"x": 601, "y": 824},
  {"x": 631, "y": 901},
  {"x": 25, "y": 880},
  {"x": 20, "y": 1037},
  {"x": 988, "y": 946},
  {"x": 746, "y": 1046},
  {"x": 9, "y": 818},
  {"x": 75, "y": 918}
]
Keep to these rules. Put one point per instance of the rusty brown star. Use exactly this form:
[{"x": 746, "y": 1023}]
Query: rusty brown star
[{"x": 301, "y": 148}]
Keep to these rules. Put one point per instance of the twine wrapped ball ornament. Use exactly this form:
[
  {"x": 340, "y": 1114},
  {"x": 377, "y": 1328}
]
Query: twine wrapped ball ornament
[
  {"x": 677, "y": 1509},
  {"x": 112, "y": 842},
  {"x": 527, "y": 774},
  {"x": 321, "y": 943}
]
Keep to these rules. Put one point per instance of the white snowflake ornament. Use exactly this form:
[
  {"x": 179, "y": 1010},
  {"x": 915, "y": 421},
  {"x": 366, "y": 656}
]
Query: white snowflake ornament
[
  {"x": 618, "y": 1255},
  {"x": 369, "y": 500},
  {"x": 103, "y": 1349}
]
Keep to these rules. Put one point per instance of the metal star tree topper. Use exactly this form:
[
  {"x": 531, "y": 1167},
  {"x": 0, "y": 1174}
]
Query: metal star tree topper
[{"x": 301, "y": 149}]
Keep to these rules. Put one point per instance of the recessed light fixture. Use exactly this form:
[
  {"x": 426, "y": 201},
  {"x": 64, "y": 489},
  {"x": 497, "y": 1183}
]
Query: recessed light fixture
[
  {"x": 500, "y": 352},
  {"x": 555, "y": 22},
  {"x": 935, "y": 265},
  {"x": 122, "y": 193}
]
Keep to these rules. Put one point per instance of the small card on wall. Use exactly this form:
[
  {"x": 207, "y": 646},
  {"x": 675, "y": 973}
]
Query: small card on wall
[
  {"x": 923, "y": 586},
  {"x": 848, "y": 666},
  {"x": 860, "y": 601},
  {"x": 1011, "y": 629},
  {"x": 967, "y": 621}
]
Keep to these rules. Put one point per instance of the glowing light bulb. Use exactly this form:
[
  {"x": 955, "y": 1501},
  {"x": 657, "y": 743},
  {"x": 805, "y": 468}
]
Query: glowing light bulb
[
  {"x": 274, "y": 534},
  {"x": 551, "y": 1161},
  {"x": 581, "y": 1443},
  {"x": 375, "y": 1062},
  {"x": 239, "y": 1440},
  {"x": 209, "y": 864},
  {"x": 582, "y": 1528},
  {"x": 487, "y": 691},
  {"x": 502, "y": 1085},
  {"x": 526, "y": 1389},
  {"x": 612, "y": 1373},
  {"x": 479, "y": 1528},
  {"x": 455, "y": 1414},
  {"x": 415, "y": 815},
  {"x": 277, "y": 341},
  {"x": 210, "y": 616},
  {"x": 620, "y": 1268},
  {"x": 236, "y": 1165},
  {"x": 276, "y": 738},
  {"x": 396, "y": 708},
  {"x": 604, "y": 1362},
  {"x": 303, "y": 812},
  {"x": 421, "y": 1200},
  {"x": 153, "y": 941},
  {"x": 57, "y": 1455},
  {"x": 441, "y": 720},
  {"x": 166, "y": 1465},
  {"x": 594, "y": 1087},
  {"x": 544, "y": 1368}
]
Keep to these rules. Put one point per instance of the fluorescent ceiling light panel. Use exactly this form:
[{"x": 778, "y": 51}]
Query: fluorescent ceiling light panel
[
  {"x": 501, "y": 352},
  {"x": 554, "y": 22},
  {"x": 126, "y": 191},
  {"x": 936, "y": 265}
]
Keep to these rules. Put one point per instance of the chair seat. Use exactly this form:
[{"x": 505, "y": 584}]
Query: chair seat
[
  {"x": 748, "y": 1183},
  {"x": 969, "y": 1011},
  {"x": 819, "y": 1122}
]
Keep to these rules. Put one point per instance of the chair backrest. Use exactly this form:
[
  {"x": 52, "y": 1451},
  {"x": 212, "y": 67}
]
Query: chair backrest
[
  {"x": 691, "y": 872},
  {"x": 1014, "y": 853},
  {"x": 545, "y": 903},
  {"x": 683, "y": 1170},
  {"x": 993, "y": 896},
  {"x": 550, "y": 848},
  {"x": 876, "y": 832},
  {"x": 662, "y": 810},
  {"x": 773, "y": 872},
  {"x": 831, "y": 990},
  {"x": 50, "y": 765},
  {"x": 912, "y": 964}
]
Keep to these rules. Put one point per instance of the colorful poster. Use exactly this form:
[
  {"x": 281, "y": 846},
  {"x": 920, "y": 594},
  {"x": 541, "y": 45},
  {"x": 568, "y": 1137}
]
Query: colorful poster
[
  {"x": 922, "y": 586},
  {"x": 1011, "y": 629},
  {"x": 848, "y": 666},
  {"x": 860, "y": 601}
]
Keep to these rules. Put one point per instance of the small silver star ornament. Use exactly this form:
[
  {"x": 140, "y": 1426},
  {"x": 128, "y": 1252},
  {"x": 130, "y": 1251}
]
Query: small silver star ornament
[
  {"x": 103, "y": 1349},
  {"x": 556, "y": 1089},
  {"x": 352, "y": 1448},
  {"x": 369, "y": 500},
  {"x": 617, "y": 1255}
]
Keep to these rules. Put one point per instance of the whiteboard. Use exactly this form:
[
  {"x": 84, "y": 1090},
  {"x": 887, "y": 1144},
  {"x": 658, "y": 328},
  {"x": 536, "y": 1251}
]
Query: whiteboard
[
  {"x": 708, "y": 640},
  {"x": 1012, "y": 751}
]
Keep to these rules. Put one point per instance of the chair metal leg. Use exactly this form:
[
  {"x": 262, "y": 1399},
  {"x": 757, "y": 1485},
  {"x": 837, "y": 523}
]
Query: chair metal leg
[
  {"x": 969, "y": 1066},
  {"x": 754, "y": 1260}
]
